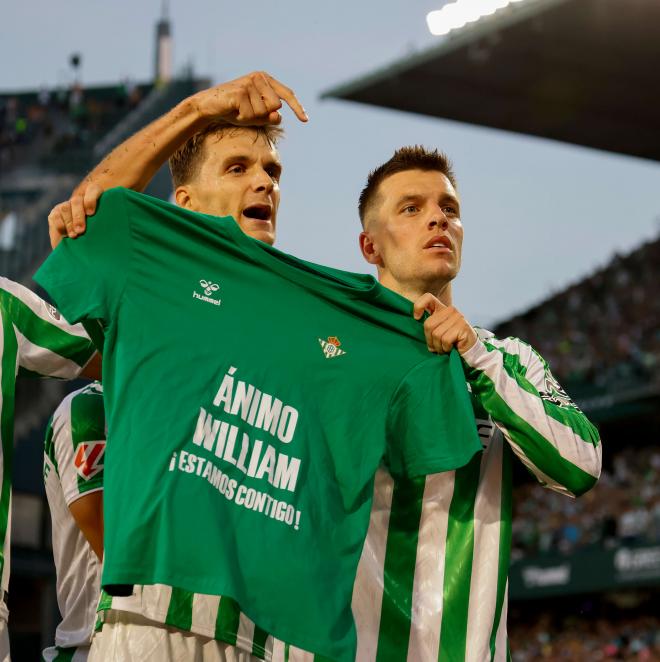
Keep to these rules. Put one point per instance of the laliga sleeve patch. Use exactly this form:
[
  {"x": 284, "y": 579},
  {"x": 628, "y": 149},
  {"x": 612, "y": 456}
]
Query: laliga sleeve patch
[{"x": 89, "y": 459}]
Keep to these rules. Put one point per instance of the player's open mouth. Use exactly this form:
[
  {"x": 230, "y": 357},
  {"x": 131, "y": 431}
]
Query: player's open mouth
[
  {"x": 439, "y": 242},
  {"x": 258, "y": 212}
]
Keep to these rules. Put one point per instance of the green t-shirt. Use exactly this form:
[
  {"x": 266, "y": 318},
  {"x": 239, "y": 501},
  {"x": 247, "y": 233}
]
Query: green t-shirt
[{"x": 250, "y": 397}]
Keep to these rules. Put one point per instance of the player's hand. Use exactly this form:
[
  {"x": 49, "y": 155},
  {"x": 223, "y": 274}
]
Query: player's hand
[
  {"x": 69, "y": 219},
  {"x": 445, "y": 327},
  {"x": 254, "y": 99}
]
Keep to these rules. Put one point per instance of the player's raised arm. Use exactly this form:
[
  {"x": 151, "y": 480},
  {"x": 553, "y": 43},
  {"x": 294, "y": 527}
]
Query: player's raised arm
[
  {"x": 252, "y": 100},
  {"x": 545, "y": 429}
]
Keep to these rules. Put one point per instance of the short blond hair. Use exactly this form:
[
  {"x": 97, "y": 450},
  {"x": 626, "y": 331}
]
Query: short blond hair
[{"x": 184, "y": 163}]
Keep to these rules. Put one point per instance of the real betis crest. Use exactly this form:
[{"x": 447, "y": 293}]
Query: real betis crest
[{"x": 331, "y": 347}]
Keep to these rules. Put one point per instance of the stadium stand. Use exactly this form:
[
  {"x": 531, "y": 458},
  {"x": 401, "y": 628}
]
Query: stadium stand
[{"x": 585, "y": 573}]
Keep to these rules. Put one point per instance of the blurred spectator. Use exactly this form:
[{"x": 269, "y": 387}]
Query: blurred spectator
[
  {"x": 624, "y": 507},
  {"x": 571, "y": 639},
  {"x": 605, "y": 330}
]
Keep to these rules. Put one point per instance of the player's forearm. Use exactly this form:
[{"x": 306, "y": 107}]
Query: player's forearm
[
  {"x": 552, "y": 437},
  {"x": 134, "y": 163}
]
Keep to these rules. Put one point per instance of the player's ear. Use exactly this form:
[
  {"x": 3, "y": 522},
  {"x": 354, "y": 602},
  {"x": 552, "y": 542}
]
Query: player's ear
[
  {"x": 369, "y": 249},
  {"x": 183, "y": 197}
]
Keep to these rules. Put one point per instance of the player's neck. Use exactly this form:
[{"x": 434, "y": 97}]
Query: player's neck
[{"x": 413, "y": 291}]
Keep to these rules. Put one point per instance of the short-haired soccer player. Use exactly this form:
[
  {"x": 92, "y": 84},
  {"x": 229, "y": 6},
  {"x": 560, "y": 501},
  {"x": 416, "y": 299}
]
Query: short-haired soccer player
[
  {"x": 34, "y": 341},
  {"x": 74, "y": 455},
  {"x": 432, "y": 582}
]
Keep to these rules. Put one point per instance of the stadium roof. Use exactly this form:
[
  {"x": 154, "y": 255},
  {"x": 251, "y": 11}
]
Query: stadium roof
[{"x": 580, "y": 71}]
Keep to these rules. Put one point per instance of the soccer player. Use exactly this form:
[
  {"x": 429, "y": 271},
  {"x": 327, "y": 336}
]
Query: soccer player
[
  {"x": 223, "y": 170},
  {"x": 432, "y": 582},
  {"x": 35, "y": 341},
  {"x": 74, "y": 451}
]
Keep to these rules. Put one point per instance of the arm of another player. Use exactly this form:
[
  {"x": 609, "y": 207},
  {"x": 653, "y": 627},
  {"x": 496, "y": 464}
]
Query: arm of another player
[
  {"x": 251, "y": 100},
  {"x": 87, "y": 511},
  {"x": 545, "y": 429},
  {"x": 78, "y": 443}
]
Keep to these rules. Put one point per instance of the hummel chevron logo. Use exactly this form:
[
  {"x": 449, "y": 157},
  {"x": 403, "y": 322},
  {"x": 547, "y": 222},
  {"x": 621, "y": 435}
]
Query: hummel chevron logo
[
  {"x": 331, "y": 347},
  {"x": 89, "y": 459},
  {"x": 209, "y": 290}
]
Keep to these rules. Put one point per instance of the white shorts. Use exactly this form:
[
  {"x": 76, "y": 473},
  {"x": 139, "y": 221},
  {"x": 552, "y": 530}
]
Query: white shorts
[{"x": 127, "y": 637}]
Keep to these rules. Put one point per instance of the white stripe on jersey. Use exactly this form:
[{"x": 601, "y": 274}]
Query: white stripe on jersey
[
  {"x": 427, "y": 597},
  {"x": 485, "y": 564},
  {"x": 4, "y": 583},
  {"x": 530, "y": 408},
  {"x": 154, "y": 601},
  {"x": 299, "y": 655},
  {"x": 40, "y": 308},
  {"x": 501, "y": 637},
  {"x": 367, "y": 601},
  {"x": 245, "y": 632},
  {"x": 204, "y": 613},
  {"x": 44, "y": 361}
]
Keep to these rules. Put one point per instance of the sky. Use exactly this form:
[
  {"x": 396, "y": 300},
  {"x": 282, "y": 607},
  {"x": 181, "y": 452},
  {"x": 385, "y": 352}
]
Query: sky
[{"x": 538, "y": 215}]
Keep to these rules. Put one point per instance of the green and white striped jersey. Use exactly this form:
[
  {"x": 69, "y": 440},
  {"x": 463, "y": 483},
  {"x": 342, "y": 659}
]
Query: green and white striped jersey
[
  {"x": 74, "y": 452},
  {"x": 36, "y": 341},
  {"x": 432, "y": 579},
  {"x": 209, "y": 615}
]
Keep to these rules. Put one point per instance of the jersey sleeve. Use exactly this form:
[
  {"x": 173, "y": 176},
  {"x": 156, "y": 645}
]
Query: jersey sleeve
[
  {"x": 431, "y": 425},
  {"x": 543, "y": 426},
  {"x": 86, "y": 276},
  {"x": 78, "y": 444},
  {"x": 47, "y": 345}
]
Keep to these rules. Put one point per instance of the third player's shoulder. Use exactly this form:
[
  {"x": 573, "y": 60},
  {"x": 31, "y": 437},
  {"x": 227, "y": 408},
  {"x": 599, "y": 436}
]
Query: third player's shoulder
[
  {"x": 23, "y": 302},
  {"x": 85, "y": 405},
  {"x": 10, "y": 288}
]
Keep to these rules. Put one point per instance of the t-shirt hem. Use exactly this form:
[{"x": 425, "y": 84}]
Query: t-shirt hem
[
  {"x": 160, "y": 617},
  {"x": 115, "y": 576}
]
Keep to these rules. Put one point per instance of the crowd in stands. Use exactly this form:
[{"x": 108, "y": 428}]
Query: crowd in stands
[
  {"x": 623, "y": 508},
  {"x": 604, "y": 330},
  {"x": 59, "y": 119},
  {"x": 572, "y": 639}
]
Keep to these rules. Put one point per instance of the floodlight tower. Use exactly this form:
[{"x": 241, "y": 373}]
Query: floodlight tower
[{"x": 163, "y": 57}]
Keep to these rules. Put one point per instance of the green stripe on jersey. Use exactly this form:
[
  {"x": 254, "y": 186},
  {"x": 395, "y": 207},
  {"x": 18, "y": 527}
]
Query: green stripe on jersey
[
  {"x": 226, "y": 625},
  {"x": 44, "y": 334},
  {"x": 9, "y": 350},
  {"x": 179, "y": 612},
  {"x": 458, "y": 562},
  {"x": 88, "y": 424},
  {"x": 49, "y": 445},
  {"x": 565, "y": 415},
  {"x": 399, "y": 571},
  {"x": 259, "y": 641},
  {"x": 505, "y": 541},
  {"x": 105, "y": 602},
  {"x": 534, "y": 445}
]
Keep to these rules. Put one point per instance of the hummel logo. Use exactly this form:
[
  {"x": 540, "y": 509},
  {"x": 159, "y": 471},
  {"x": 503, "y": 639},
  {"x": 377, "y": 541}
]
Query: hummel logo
[
  {"x": 209, "y": 290},
  {"x": 89, "y": 459},
  {"x": 331, "y": 347},
  {"x": 209, "y": 287}
]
